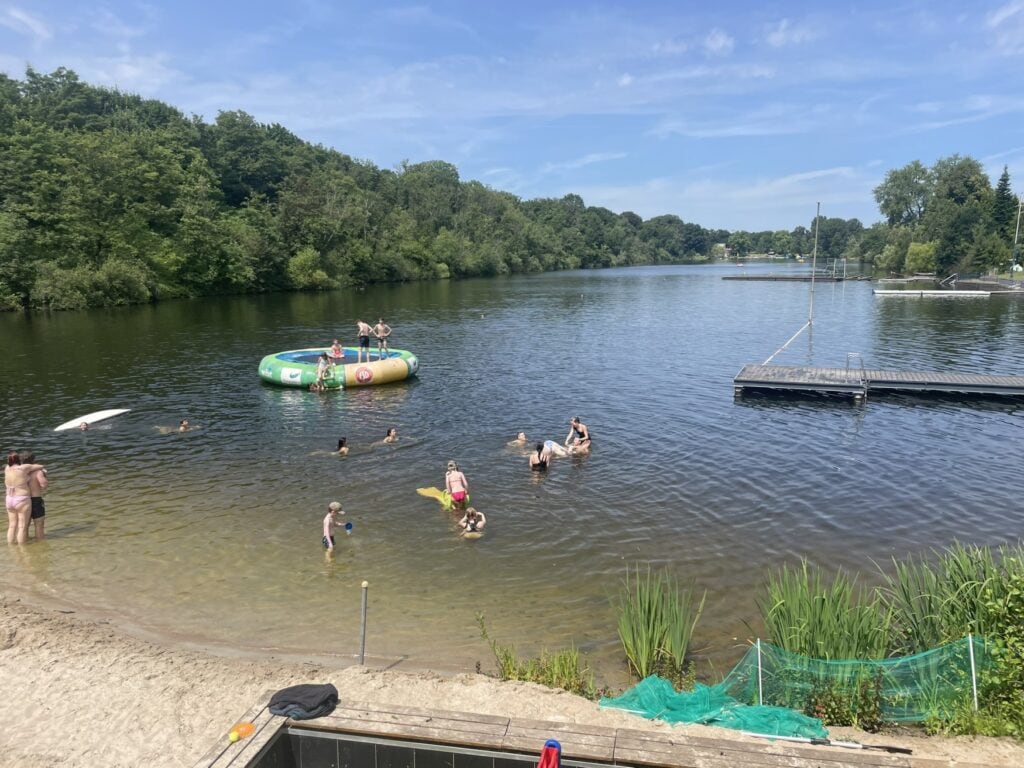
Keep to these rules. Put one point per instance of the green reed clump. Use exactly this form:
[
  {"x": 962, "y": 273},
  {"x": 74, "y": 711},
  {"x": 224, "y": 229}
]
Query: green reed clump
[
  {"x": 940, "y": 600},
  {"x": 832, "y": 621},
  {"x": 656, "y": 619},
  {"x": 565, "y": 669}
]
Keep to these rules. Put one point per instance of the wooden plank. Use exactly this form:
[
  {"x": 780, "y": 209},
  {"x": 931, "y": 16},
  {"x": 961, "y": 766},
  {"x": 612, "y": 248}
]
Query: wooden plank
[
  {"x": 415, "y": 724},
  {"x": 655, "y": 749},
  {"x": 266, "y": 726},
  {"x": 578, "y": 741}
]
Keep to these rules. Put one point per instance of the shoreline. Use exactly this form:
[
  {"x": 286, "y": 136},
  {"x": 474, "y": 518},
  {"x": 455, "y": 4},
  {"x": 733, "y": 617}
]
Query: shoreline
[{"x": 81, "y": 691}]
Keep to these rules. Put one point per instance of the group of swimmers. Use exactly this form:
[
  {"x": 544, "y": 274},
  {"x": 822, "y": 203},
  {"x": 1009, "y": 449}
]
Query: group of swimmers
[
  {"x": 335, "y": 355},
  {"x": 577, "y": 443}
]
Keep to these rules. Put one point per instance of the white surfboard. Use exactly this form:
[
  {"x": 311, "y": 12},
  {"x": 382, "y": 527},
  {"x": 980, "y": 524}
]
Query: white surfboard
[{"x": 91, "y": 418}]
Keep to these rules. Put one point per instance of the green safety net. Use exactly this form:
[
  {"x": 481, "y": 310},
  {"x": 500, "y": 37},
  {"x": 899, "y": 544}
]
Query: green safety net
[{"x": 772, "y": 691}]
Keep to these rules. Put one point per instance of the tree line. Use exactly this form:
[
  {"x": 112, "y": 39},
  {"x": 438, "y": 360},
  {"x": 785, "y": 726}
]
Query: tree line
[
  {"x": 107, "y": 198},
  {"x": 945, "y": 219}
]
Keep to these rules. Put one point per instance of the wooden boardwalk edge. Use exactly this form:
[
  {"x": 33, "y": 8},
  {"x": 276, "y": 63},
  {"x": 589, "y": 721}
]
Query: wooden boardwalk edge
[{"x": 612, "y": 746}]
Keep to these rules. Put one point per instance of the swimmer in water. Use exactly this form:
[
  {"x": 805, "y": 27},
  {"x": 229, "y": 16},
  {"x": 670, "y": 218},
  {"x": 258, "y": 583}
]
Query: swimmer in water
[
  {"x": 84, "y": 426},
  {"x": 183, "y": 426},
  {"x": 473, "y": 521},
  {"x": 342, "y": 447},
  {"x": 391, "y": 436},
  {"x": 539, "y": 458},
  {"x": 520, "y": 439}
]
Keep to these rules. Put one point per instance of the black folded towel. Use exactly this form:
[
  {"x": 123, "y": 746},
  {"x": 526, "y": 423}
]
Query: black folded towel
[{"x": 304, "y": 702}]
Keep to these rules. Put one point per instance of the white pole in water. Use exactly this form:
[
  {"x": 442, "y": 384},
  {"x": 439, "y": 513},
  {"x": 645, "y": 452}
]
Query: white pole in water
[
  {"x": 362, "y": 626},
  {"x": 814, "y": 265},
  {"x": 760, "y": 691},
  {"x": 1016, "y": 234},
  {"x": 974, "y": 674}
]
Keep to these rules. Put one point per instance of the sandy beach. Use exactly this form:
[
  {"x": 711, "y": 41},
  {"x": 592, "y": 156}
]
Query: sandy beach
[{"x": 81, "y": 691}]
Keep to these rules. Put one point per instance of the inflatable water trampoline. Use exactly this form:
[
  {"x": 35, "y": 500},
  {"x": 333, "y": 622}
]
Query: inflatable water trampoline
[{"x": 297, "y": 368}]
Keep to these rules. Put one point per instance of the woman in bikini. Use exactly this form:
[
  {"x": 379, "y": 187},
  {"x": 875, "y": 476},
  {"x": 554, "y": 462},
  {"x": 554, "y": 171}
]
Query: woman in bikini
[
  {"x": 456, "y": 484},
  {"x": 19, "y": 498}
]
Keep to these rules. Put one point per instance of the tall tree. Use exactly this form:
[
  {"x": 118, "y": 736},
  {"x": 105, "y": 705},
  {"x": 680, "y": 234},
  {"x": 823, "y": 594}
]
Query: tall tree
[
  {"x": 1004, "y": 208},
  {"x": 903, "y": 196}
]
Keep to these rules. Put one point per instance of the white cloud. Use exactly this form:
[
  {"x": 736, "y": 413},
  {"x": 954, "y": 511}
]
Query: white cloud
[
  {"x": 771, "y": 120},
  {"x": 625, "y": 79},
  {"x": 753, "y": 204},
  {"x": 718, "y": 43},
  {"x": 1007, "y": 26},
  {"x": 107, "y": 23},
  {"x": 669, "y": 48},
  {"x": 971, "y": 109},
  {"x": 24, "y": 23},
  {"x": 785, "y": 33},
  {"x": 579, "y": 162}
]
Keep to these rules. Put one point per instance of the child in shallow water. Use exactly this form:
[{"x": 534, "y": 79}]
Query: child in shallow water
[{"x": 330, "y": 523}]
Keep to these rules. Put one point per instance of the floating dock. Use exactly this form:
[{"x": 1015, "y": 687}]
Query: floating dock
[
  {"x": 790, "y": 278},
  {"x": 953, "y": 294},
  {"x": 858, "y": 382}
]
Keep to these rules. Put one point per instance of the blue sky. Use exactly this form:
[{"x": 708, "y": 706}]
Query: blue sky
[{"x": 738, "y": 115}]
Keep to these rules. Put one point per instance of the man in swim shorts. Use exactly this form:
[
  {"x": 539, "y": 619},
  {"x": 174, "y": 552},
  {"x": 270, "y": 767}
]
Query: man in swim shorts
[
  {"x": 37, "y": 484},
  {"x": 363, "y": 330},
  {"x": 381, "y": 330}
]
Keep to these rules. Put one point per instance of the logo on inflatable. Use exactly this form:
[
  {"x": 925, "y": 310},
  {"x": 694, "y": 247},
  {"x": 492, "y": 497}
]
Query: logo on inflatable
[{"x": 364, "y": 375}]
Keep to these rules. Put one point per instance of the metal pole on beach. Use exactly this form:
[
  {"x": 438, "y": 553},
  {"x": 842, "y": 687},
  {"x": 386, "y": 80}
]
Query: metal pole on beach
[{"x": 362, "y": 626}]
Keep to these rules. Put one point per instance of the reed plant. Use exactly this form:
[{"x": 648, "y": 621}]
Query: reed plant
[
  {"x": 566, "y": 668},
  {"x": 939, "y": 600},
  {"x": 832, "y": 620},
  {"x": 656, "y": 619}
]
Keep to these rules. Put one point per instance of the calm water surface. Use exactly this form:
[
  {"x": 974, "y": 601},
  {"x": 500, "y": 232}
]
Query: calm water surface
[{"x": 214, "y": 536}]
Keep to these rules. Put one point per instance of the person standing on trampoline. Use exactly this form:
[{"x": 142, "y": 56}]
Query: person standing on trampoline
[
  {"x": 363, "y": 331},
  {"x": 382, "y": 330}
]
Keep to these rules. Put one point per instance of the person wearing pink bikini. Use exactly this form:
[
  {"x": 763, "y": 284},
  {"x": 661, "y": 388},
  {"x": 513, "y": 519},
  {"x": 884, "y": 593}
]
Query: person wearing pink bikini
[{"x": 19, "y": 497}]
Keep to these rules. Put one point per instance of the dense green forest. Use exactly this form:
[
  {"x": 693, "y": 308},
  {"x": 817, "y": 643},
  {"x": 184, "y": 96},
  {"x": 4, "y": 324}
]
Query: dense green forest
[{"x": 107, "y": 198}]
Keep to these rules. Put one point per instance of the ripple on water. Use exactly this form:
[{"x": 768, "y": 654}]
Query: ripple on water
[{"x": 215, "y": 534}]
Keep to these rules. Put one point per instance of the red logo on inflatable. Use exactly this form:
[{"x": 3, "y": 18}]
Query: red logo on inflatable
[{"x": 364, "y": 375}]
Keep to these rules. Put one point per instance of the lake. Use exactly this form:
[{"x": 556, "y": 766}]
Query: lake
[{"x": 213, "y": 537}]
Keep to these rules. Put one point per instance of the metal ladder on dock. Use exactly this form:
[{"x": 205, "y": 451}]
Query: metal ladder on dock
[{"x": 860, "y": 377}]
